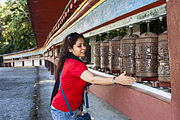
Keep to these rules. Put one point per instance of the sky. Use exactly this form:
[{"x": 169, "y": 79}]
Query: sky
[{"x": 2, "y": 1}]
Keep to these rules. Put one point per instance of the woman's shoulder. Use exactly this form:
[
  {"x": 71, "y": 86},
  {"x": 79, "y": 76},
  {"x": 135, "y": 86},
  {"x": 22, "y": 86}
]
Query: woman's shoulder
[
  {"x": 75, "y": 67},
  {"x": 73, "y": 62}
]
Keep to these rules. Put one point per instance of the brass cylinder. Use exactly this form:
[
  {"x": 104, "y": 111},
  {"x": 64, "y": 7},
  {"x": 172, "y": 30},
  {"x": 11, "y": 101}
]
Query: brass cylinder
[
  {"x": 146, "y": 55},
  {"x": 163, "y": 58},
  {"x": 114, "y": 54},
  {"x": 87, "y": 58},
  {"x": 128, "y": 52},
  {"x": 97, "y": 55},
  {"x": 104, "y": 53}
]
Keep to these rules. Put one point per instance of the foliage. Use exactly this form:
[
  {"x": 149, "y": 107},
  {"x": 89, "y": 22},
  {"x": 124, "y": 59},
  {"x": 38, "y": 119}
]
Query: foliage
[
  {"x": 112, "y": 34},
  {"x": 157, "y": 26},
  {"x": 15, "y": 27}
]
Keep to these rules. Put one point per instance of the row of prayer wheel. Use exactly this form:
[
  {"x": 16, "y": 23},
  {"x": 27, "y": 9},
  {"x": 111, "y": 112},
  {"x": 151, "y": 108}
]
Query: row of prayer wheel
[{"x": 144, "y": 56}]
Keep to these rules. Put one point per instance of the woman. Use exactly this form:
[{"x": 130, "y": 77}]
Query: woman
[{"x": 74, "y": 77}]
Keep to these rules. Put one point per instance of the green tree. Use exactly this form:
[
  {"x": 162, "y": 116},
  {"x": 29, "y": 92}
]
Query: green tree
[{"x": 16, "y": 32}]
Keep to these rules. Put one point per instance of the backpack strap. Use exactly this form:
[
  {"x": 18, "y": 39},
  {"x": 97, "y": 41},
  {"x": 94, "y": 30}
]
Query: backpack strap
[{"x": 64, "y": 96}]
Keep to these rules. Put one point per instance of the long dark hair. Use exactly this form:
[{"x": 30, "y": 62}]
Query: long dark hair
[{"x": 68, "y": 43}]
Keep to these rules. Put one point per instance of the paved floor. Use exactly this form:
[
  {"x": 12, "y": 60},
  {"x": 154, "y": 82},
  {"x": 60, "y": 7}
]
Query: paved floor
[
  {"x": 16, "y": 93},
  {"x": 46, "y": 83},
  {"x": 25, "y": 95}
]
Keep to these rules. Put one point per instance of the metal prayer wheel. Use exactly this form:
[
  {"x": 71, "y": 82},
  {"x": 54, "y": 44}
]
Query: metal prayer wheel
[
  {"x": 114, "y": 54},
  {"x": 163, "y": 58},
  {"x": 104, "y": 53},
  {"x": 87, "y": 58},
  {"x": 128, "y": 52},
  {"x": 97, "y": 55},
  {"x": 146, "y": 55}
]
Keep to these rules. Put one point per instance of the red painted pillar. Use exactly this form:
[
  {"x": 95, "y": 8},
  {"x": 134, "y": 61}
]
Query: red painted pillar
[
  {"x": 173, "y": 26},
  {"x": 48, "y": 63},
  {"x": 22, "y": 61},
  {"x": 32, "y": 60},
  {"x": 54, "y": 58},
  {"x": 47, "y": 53},
  {"x": 44, "y": 59},
  {"x": 12, "y": 62}
]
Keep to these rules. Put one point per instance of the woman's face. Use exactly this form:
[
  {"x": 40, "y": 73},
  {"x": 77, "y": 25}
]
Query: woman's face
[{"x": 79, "y": 49}]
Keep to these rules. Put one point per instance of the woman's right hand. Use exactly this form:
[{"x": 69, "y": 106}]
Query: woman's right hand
[{"x": 125, "y": 80}]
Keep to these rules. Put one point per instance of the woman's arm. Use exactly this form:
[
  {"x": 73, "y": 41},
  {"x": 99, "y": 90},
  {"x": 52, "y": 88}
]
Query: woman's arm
[{"x": 121, "y": 79}]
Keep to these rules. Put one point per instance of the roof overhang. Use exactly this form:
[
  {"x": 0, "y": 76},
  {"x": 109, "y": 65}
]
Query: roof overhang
[{"x": 44, "y": 15}]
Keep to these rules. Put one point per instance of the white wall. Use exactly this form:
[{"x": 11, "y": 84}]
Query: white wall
[
  {"x": 28, "y": 63},
  {"x": 43, "y": 62},
  {"x": 36, "y": 62},
  {"x": 18, "y": 64}
]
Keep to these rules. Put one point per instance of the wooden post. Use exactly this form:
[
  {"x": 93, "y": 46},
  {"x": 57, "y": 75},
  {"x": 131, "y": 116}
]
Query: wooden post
[
  {"x": 12, "y": 62},
  {"x": 173, "y": 28},
  {"x": 32, "y": 60},
  {"x": 44, "y": 59},
  {"x": 54, "y": 58},
  {"x": 22, "y": 61}
]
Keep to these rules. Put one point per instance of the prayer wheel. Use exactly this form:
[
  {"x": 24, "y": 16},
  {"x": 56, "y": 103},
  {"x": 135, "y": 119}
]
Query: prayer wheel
[
  {"x": 146, "y": 55},
  {"x": 114, "y": 54},
  {"x": 128, "y": 52},
  {"x": 163, "y": 58},
  {"x": 104, "y": 52},
  {"x": 87, "y": 58},
  {"x": 97, "y": 55}
]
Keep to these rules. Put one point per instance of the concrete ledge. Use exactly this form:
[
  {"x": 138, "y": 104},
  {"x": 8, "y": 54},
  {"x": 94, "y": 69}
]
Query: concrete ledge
[{"x": 135, "y": 102}]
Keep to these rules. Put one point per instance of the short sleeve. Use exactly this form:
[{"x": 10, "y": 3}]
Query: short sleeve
[{"x": 78, "y": 69}]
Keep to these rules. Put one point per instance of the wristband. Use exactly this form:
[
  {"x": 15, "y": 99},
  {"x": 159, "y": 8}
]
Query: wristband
[{"x": 114, "y": 80}]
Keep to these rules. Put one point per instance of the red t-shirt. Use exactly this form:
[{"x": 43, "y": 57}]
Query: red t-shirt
[{"x": 72, "y": 85}]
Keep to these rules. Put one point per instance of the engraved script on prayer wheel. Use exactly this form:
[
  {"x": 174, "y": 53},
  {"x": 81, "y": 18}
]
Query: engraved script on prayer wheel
[
  {"x": 114, "y": 51},
  {"x": 163, "y": 58},
  {"x": 104, "y": 52},
  {"x": 146, "y": 55},
  {"x": 97, "y": 55},
  {"x": 128, "y": 52}
]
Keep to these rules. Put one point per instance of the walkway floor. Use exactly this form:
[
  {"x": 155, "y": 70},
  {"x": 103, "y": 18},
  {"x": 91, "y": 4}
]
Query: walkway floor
[
  {"x": 16, "y": 93},
  {"x": 18, "y": 87}
]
